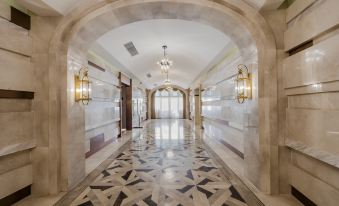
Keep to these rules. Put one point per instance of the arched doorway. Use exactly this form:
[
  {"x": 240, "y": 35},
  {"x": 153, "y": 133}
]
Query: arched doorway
[
  {"x": 168, "y": 104},
  {"x": 244, "y": 25},
  {"x": 179, "y": 97}
]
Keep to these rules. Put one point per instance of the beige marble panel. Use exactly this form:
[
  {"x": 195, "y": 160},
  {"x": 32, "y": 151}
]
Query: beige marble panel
[
  {"x": 296, "y": 8},
  {"x": 225, "y": 70},
  {"x": 5, "y": 10},
  {"x": 40, "y": 122},
  {"x": 315, "y": 88},
  {"x": 318, "y": 169},
  {"x": 103, "y": 91},
  {"x": 108, "y": 76},
  {"x": 14, "y": 161},
  {"x": 224, "y": 90},
  {"x": 229, "y": 134},
  {"x": 314, "y": 128},
  {"x": 96, "y": 159},
  {"x": 325, "y": 101},
  {"x": 309, "y": 25},
  {"x": 314, "y": 65},
  {"x": 236, "y": 163},
  {"x": 318, "y": 191},
  {"x": 76, "y": 149},
  {"x": 110, "y": 131},
  {"x": 15, "y": 105},
  {"x": 16, "y": 128},
  {"x": 15, "y": 180},
  {"x": 98, "y": 114},
  {"x": 227, "y": 110},
  {"x": 42, "y": 30},
  {"x": 15, "y": 38},
  {"x": 41, "y": 174},
  {"x": 16, "y": 71},
  {"x": 17, "y": 147}
]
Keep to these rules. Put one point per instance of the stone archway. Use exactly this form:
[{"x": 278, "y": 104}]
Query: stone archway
[
  {"x": 243, "y": 24},
  {"x": 175, "y": 87}
]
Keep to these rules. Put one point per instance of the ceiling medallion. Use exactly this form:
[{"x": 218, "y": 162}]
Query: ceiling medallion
[{"x": 165, "y": 63}]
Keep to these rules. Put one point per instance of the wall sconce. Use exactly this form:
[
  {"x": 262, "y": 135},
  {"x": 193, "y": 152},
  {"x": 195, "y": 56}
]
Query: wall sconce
[
  {"x": 82, "y": 87},
  {"x": 243, "y": 84}
]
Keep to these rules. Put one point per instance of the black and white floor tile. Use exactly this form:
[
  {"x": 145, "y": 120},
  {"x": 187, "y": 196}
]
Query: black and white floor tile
[{"x": 162, "y": 169}]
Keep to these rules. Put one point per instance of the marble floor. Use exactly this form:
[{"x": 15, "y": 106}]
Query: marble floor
[{"x": 166, "y": 164}]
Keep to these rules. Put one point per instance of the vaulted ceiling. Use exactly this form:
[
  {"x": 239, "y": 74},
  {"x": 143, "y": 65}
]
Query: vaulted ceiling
[
  {"x": 191, "y": 46},
  {"x": 63, "y": 7}
]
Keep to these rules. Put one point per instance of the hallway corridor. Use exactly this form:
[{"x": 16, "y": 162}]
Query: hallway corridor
[
  {"x": 166, "y": 164},
  {"x": 169, "y": 102}
]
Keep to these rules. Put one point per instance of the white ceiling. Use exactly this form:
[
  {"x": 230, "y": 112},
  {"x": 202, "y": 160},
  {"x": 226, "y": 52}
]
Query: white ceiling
[{"x": 191, "y": 46}]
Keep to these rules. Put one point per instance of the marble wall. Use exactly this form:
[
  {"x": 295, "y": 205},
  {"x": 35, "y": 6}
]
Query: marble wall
[
  {"x": 252, "y": 36},
  {"x": 17, "y": 116},
  {"x": 232, "y": 125},
  {"x": 102, "y": 114},
  {"x": 59, "y": 122},
  {"x": 311, "y": 86}
]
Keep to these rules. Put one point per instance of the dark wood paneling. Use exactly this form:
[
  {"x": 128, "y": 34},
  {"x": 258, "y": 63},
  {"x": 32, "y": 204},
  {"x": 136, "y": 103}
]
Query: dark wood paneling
[
  {"x": 301, "y": 197},
  {"x": 16, "y": 197},
  {"x": 96, "y": 66},
  {"x": 96, "y": 144},
  {"x": 129, "y": 107},
  {"x": 222, "y": 141},
  {"x": 20, "y": 18},
  {"x": 123, "y": 107},
  {"x": 126, "y": 103},
  {"x": 148, "y": 112},
  {"x": 12, "y": 94}
]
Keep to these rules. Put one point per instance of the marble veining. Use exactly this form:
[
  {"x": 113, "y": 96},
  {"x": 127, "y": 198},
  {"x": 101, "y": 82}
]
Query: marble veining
[
  {"x": 166, "y": 164},
  {"x": 10, "y": 149},
  {"x": 313, "y": 152}
]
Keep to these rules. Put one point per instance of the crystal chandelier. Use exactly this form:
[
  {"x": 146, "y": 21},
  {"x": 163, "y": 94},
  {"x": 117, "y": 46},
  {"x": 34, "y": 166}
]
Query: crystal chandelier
[
  {"x": 165, "y": 63},
  {"x": 167, "y": 83}
]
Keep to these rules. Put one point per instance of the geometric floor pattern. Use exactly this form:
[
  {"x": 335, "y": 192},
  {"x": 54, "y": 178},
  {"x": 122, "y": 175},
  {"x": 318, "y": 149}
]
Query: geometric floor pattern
[{"x": 166, "y": 165}]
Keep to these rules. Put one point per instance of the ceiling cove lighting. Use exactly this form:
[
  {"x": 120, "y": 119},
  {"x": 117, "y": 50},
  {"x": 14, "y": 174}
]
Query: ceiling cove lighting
[
  {"x": 243, "y": 84},
  {"x": 165, "y": 63}
]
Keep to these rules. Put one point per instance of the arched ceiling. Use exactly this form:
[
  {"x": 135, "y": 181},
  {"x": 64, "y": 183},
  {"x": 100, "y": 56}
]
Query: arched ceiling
[
  {"x": 191, "y": 46},
  {"x": 189, "y": 62},
  {"x": 63, "y": 7}
]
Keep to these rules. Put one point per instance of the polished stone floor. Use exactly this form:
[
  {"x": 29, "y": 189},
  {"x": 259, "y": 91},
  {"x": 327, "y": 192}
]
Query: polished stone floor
[{"x": 166, "y": 164}]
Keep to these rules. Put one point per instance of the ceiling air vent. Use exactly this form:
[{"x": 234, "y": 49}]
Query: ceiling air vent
[{"x": 131, "y": 49}]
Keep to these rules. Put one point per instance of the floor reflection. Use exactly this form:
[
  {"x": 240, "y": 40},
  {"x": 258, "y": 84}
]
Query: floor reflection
[{"x": 164, "y": 165}]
